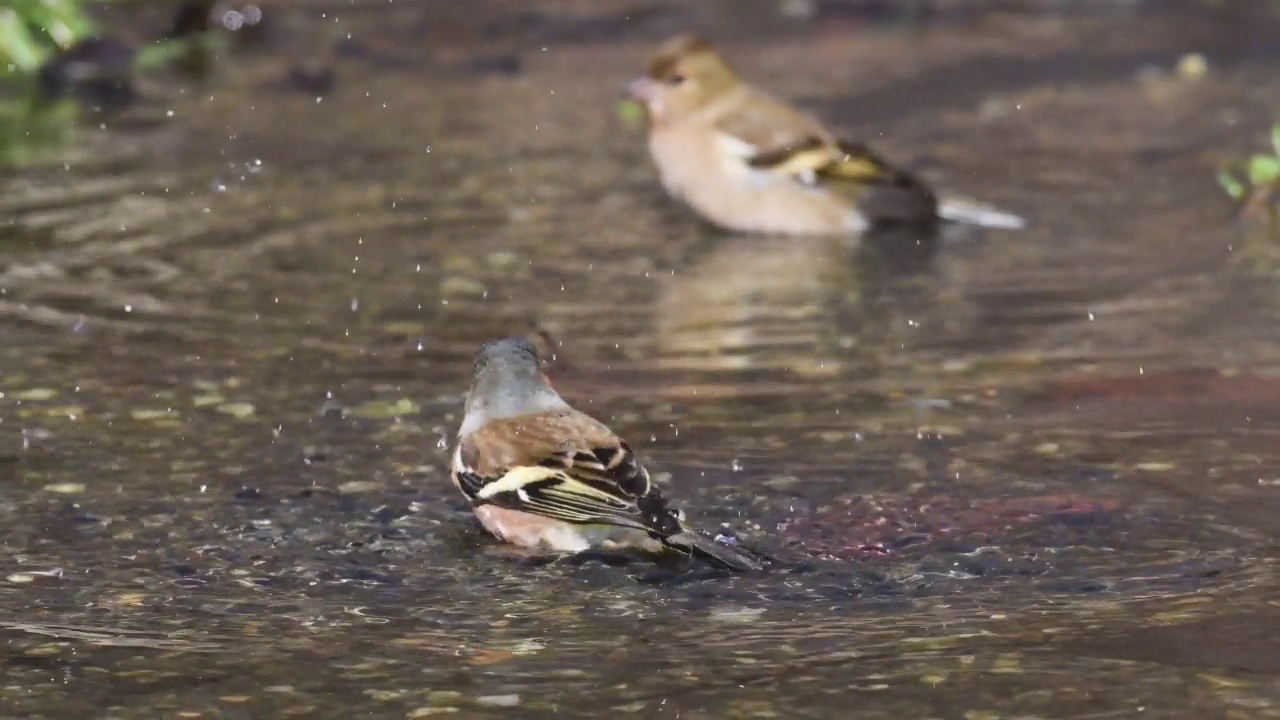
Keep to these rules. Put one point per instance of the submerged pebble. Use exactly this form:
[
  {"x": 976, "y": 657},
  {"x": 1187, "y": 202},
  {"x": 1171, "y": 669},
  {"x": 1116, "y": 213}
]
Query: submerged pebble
[
  {"x": 238, "y": 410},
  {"x": 431, "y": 711},
  {"x": 34, "y": 394}
]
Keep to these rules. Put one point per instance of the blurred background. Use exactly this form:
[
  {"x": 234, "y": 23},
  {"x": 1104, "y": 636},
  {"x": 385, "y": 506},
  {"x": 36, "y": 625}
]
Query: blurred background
[{"x": 247, "y": 252}]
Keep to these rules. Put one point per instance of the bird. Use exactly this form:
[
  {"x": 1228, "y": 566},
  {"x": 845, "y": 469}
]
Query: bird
[
  {"x": 540, "y": 474},
  {"x": 748, "y": 162}
]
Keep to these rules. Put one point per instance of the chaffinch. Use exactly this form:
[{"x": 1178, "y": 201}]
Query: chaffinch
[
  {"x": 541, "y": 474},
  {"x": 751, "y": 163}
]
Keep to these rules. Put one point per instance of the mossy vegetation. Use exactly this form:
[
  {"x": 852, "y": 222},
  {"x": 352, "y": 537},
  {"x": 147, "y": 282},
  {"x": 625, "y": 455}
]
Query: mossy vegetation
[
  {"x": 1255, "y": 183},
  {"x": 33, "y": 31},
  {"x": 52, "y": 50}
]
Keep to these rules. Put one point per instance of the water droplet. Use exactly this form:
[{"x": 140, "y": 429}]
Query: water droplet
[
  {"x": 726, "y": 537},
  {"x": 232, "y": 20},
  {"x": 736, "y": 466}
]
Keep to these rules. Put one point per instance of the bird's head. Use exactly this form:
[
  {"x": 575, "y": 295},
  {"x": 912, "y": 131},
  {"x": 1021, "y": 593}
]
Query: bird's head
[{"x": 684, "y": 75}]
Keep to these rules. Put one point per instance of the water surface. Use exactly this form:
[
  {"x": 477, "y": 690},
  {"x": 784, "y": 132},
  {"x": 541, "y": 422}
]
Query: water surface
[{"x": 1030, "y": 474}]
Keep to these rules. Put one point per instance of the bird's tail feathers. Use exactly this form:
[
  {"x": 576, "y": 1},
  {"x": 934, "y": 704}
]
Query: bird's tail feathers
[
  {"x": 970, "y": 212},
  {"x": 700, "y": 546}
]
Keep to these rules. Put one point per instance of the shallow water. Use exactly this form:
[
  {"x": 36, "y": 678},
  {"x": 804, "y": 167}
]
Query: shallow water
[{"x": 1034, "y": 474}]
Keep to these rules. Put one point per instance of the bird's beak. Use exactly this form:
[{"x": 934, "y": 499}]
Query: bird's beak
[{"x": 643, "y": 89}]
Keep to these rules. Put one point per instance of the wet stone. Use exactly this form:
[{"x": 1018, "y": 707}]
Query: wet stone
[{"x": 249, "y": 494}]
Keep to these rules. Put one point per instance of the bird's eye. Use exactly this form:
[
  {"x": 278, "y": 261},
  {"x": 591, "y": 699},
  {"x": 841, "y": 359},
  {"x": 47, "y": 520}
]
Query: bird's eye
[{"x": 674, "y": 80}]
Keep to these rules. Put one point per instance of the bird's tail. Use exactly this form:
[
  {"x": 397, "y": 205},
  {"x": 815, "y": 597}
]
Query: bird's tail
[
  {"x": 704, "y": 548},
  {"x": 970, "y": 212}
]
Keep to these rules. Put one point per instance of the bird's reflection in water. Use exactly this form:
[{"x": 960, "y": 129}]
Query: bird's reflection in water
[{"x": 797, "y": 303}]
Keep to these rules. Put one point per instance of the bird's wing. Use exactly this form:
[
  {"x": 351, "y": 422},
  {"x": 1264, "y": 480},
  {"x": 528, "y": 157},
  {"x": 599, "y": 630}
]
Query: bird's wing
[
  {"x": 770, "y": 136},
  {"x": 563, "y": 466},
  {"x": 884, "y": 193},
  {"x": 566, "y": 466},
  {"x": 765, "y": 125},
  {"x": 815, "y": 160}
]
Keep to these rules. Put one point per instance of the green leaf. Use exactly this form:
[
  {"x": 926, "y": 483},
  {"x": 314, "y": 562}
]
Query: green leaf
[
  {"x": 1231, "y": 185},
  {"x": 630, "y": 112},
  {"x": 18, "y": 46},
  {"x": 163, "y": 53},
  {"x": 160, "y": 53},
  {"x": 1264, "y": 169},
  {"x": 32, "y": 30},
  {"x": 60, "y": 22}
]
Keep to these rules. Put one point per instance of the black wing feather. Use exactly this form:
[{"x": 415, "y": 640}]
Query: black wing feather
[
  {"x": 605, "y": 486},
  {"x": 601, "y": 486}
]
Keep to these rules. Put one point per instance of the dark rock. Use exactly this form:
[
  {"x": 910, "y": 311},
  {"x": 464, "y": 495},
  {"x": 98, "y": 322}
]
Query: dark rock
[
  {"x": 249, "y": 494},
  {"x": 312, "y": 77},
  {"x": 506, "y": 64},
  {"x": 97, "y": 72},
  {"x": 192, "y": 18}
]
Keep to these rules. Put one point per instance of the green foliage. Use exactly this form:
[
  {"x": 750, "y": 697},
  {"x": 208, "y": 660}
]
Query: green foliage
[
  {"x": 31, "y": 31},
  {"x": 1259, "y": 175},
  {"x": 28, "y": 130}
]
